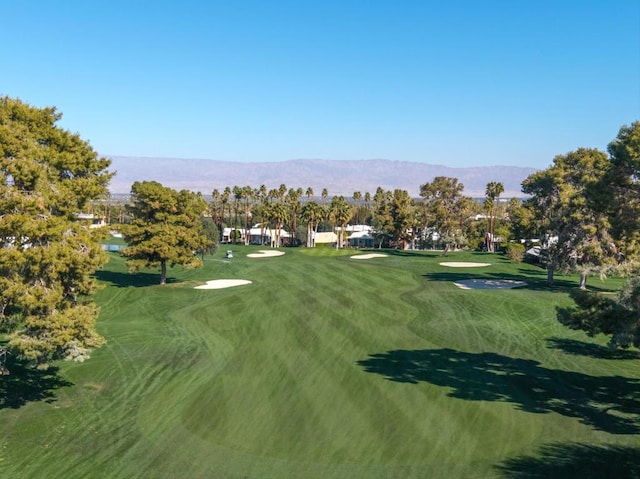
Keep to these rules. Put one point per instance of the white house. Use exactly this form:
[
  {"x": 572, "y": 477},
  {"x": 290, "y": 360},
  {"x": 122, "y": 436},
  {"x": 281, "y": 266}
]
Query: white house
[
  {"x": 257, "y": 236},
  {"x": 361, "y": 239},
  {"x": 267, "y": 236}
]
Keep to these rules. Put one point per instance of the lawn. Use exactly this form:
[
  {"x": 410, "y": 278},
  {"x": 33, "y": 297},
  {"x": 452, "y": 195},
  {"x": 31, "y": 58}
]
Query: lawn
[{"x": 328, "y": 367}]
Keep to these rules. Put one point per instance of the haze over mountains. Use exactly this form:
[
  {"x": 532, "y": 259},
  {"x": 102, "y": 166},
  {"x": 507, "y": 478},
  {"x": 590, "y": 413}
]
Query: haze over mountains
[{"x": 341, "y": 177}]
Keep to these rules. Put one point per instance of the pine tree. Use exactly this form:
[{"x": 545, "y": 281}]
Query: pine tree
[
  {"x": 47, "y": 255},
  {"x": 165, "y": 229}
]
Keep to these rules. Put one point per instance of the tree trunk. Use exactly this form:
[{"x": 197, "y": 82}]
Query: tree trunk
[
  {"x": 583, "y": 279},
  {"x": 550, "y": 269},
  {"x": 163, "y": 272}
]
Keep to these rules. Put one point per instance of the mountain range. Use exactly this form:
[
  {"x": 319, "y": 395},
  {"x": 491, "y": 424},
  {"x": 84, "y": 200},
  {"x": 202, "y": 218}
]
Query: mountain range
[{"x": 340, "y": 177}]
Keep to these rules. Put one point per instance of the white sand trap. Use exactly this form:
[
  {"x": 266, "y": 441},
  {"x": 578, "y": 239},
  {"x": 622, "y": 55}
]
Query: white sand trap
[
  {"x": 489, "y": 284},
  {"x": 464, "y": 264},
  {"x": 223, "y": 283},
  {"x": 369, "y": 256},
  {"x": 265, "y": 253}
]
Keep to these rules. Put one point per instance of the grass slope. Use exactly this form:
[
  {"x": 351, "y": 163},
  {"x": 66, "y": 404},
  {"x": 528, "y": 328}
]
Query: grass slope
[{"x": 326, "y": 367}]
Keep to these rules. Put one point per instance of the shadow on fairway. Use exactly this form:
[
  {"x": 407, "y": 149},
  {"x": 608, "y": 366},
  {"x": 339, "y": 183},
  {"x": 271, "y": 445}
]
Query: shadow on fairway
[
  {"x": 125, "y": 280},
  {"x": 534, "y": 282},
  {"x": 480, "y": 273},
  {"x": 24, "y": 385},
  {"x": 607, "y": 403},
  {"x": 580, "y": 348},
  {"x": 562, "y": 461},
  {"x": 406, "y": 252}
]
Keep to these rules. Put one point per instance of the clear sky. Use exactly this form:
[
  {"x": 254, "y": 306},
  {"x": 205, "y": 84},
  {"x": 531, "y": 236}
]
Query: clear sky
[{"x": 459, "y": 83}]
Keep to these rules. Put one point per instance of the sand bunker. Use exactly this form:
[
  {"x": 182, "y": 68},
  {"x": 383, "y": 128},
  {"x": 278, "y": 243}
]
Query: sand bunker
[
  {"x": 464, "y": 264},
  {"x": 369, "y": 256},
  {"x": 489, "y": 284},
  {"x": 265, "y": 253},
  {"x": 223, "y": 283}
]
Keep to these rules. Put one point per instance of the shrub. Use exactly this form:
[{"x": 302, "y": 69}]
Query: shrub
[
  {"x": 515, "y": 252},
  {"x": 476, "y": 244}
]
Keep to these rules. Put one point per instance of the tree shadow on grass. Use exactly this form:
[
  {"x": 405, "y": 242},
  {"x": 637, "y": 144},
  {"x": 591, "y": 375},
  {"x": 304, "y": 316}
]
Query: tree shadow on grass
[
  {"x": 566, "y": 461},
  {"x": 532, "y": 282},
  {"x": 25, "y": 384},
  {"x": 607, "y": 403},
  {"x": 581, "y": 348},
  {"x": 408, "y": 252},
  {"x": 125, "y": 280}
]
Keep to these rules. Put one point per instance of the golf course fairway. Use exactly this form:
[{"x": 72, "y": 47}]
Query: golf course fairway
[{"x": 318, "y": 366}]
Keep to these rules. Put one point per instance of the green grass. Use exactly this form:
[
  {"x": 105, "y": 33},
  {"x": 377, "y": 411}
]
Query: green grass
[{"x": 326, "y": 367}]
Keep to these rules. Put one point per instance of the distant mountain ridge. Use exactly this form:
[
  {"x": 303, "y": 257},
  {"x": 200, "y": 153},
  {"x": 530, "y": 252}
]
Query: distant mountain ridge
[{"x": 340, "y": 177}]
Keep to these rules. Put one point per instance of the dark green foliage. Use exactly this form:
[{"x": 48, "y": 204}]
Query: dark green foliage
[
  {"x": 395, "y": 217},
  {"x": 165, "y": 228},
  {"x": 515, "y": 252},
  {"x": 210, "y": 230},
  {"x": 446, "y": 209},
  {"x": 620, "y": 189},
  {"x": 566, "y": 205},
  {"x": 47, "y": 256},
  {"x": 618, "y": 317}
]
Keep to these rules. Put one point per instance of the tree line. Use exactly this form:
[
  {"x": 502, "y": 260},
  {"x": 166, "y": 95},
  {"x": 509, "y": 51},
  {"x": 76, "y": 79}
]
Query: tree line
[
  {"x": 585, "y": 209},
  {"x": 397, "y": 219}
]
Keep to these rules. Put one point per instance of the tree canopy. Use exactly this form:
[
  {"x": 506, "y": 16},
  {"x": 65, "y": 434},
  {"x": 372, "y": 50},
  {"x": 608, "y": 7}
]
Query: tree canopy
[
  {"x": 621, "y": 188},
  {"x": 165, "y": 228},
  {"x": 568, "y": 209},
  {"x": 47, "y": 255},
  {"x": 618, "y": 316},
  {"x": 492, "y": 195},
  {"x": 446, "y": 208}
]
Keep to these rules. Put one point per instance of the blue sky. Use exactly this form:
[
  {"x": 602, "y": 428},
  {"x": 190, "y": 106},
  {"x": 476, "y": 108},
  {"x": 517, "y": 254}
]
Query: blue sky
[{"x": 459, "y": 83}]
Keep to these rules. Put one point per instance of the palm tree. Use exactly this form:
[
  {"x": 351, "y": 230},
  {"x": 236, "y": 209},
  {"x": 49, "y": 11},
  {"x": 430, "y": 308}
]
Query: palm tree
[
  {"x": 224, "y": 199},
  {"x": 309, "y": 193},
  {"x": 367, "y": 205},
  {"x": 293, "y": 201},
  {"x": 312, "y": 213},
  {"x": 492, "y": 193},
  {"x": 261, "y": 197},
  {"x": 340, "y": 212},
  {"x": 307, "y": 215},
  {"x": 215, "y": 195},
  {"x": 356, "y": 199},
  {"x": 325, "y": 193},
  {"x": 282, "y": 191},
  {"x": 277, "y": 213},
  {"x": 237, "y": 196},
  {"x": 246, "y": 195}
]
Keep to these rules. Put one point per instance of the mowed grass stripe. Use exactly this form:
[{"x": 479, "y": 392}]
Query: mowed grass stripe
[{"x": 323, "y": 367}]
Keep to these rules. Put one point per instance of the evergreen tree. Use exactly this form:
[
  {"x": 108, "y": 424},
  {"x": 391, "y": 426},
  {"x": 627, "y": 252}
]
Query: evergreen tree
[
  {"x": 446, "y": 208},
  {"x": 165, "y": 228},
  {"x": 621, "y": 189},
  {"x": 47, "y": 255},
  {"x": 617, "y": 317},
  {"x": 567, "y": 204}
]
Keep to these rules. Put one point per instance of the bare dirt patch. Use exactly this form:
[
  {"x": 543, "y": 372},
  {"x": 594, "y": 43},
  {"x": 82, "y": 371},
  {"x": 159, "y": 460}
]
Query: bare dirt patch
[
  {"x": 489, "y": 283},
  {"x": 223, "y": 283},
  {"x": 369, "y": 256},
  {"x": 464, "y": 264},
  {"x": 265, "y": 253}
]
